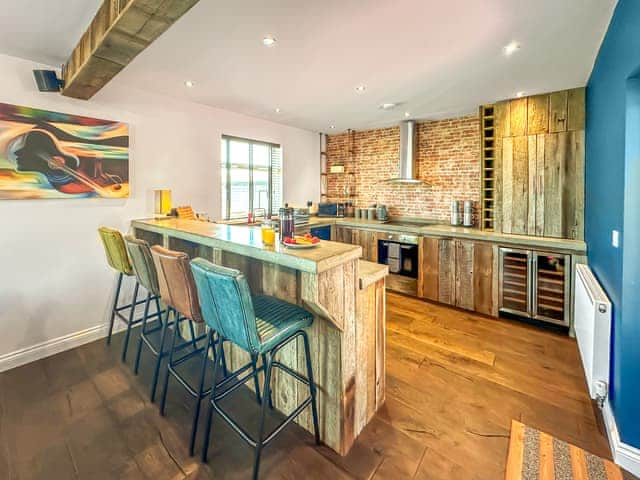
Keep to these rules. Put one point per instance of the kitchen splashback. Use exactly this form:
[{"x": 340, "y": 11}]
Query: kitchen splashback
[{"x": 448, "y": 162}]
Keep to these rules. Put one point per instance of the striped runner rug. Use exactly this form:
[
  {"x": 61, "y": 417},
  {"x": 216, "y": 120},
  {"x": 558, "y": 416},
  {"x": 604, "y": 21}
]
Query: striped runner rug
[{"x": 535, "y": 455}]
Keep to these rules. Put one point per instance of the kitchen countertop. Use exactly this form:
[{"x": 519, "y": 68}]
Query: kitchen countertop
[
  {"x": 433, "y": 229},
  {"x": 247, "y": 241},
  {"x": 370, "y": 272}
]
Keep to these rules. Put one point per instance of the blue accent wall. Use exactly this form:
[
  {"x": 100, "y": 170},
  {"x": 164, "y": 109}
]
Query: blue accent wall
[{"x": 612, "y": 202}]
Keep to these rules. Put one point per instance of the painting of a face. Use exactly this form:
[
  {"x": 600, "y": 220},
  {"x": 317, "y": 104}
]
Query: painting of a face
[{"x": 52, "y": 155}]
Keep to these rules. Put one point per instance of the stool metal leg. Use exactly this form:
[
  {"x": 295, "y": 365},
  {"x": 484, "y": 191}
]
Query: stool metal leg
[
  {"x": 264, "y": 362},
  {"x": 132, "y": 313},
  {"x": 312, "y": 388},
  {"x": 256, "y": 383},
  {"x": 218, "y": 358},
  {"x": 161, "y": 354},
  {"x": 115, "y": 306},
  {"x": 176, "y": 333},
  {"x": 196, "y": 415},
  {"x": 267, "y": 394},
  {"x": 136, "y": 364}
]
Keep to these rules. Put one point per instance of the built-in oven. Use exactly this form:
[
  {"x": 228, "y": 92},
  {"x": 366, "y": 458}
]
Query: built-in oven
[{"x": 400, "y": 253}]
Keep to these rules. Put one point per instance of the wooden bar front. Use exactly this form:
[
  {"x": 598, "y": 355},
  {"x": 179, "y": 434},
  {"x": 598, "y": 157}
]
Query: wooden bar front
[{"x": 347, "y": 338}]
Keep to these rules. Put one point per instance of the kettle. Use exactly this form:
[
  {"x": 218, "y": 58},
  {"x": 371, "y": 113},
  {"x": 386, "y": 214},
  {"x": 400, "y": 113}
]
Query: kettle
[{"x": 382, "y": 213}]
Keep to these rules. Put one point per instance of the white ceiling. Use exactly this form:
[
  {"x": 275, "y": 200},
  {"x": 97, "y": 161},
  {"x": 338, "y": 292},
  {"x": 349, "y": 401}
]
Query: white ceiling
[{"x": 436, "y": 58}]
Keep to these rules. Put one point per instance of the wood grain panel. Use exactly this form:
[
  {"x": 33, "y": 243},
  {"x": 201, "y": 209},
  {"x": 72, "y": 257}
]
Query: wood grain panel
[
  {"x": 446, "y": 271},
  {"x": 520, "y": 185},
  {"x": 537, "y": 114},
  {"x": 119, "y": 31},
  {"x": 578, "y": 154},
  {"x": 518, "y": 117},
  {"x": 576, "y": 109},
  {"x": 558, "y": 112},
  {"x": 502, "y": 118},
  {"x": 532, "y": 190},
  {"x": 464, "y": 275},
  {"x": 483, "y": 278},
  {"x": 539, "y": 195},
  {"x": 507, "y": 185},
  {"x": 429, "y": 262},
  {"x": 556, "y": 153}
]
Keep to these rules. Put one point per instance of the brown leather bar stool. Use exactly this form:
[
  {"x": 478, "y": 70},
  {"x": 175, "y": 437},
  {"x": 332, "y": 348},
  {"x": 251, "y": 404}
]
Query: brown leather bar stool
[
  {"x": 178, "y": 292},
  {"x": 117, "y": 257}
]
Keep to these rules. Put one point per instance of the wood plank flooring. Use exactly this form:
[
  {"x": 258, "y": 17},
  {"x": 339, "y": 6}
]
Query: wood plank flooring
[{"x": 455, "y": 380}]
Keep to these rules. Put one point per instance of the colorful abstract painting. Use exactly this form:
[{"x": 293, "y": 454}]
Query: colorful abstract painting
[{"x": 54, "y": 155}]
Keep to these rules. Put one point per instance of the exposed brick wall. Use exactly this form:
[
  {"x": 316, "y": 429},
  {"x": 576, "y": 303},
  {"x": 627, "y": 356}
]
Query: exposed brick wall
[{"x": 448, "y": 162}]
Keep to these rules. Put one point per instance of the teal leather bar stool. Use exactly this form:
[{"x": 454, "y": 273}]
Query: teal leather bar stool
[
  {"x": 260, "y": 325},
  {"x": 145, "y": 271},
  {"x": 117, "y": 257},
  {"x": 178, "y": 292}
]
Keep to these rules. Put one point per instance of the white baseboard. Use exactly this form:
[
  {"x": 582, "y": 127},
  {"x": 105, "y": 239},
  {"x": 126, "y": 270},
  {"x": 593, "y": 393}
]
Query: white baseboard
[
  {"x": 625, "y": 455},
  {"x": 53, "y": 346}
]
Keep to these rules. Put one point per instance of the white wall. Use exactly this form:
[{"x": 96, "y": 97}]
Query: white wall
[{"x": 54, "y": 281}]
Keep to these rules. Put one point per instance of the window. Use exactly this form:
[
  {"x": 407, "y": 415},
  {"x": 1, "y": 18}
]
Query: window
[{"x": 251, "y": 177}]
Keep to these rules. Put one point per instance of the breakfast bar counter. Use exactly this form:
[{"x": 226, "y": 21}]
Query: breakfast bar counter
[{"x": 347, "y": 338}]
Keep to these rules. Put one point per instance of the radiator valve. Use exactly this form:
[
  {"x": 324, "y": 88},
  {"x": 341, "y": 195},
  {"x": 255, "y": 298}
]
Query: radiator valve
[{"x": 601, "y": 391}]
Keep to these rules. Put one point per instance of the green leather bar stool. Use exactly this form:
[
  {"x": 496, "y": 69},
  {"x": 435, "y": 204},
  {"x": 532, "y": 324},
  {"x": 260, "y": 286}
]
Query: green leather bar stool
[
  {"x": 145, "y": 270},
  {"x": 178, "y": 292},
  {"x": 118, "y": 259},
  {"x": 260, "y": 325}
]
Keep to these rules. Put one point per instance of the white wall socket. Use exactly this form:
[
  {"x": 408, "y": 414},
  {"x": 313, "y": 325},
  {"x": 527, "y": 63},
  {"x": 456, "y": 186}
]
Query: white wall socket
[{"x": 615, "y": 238}]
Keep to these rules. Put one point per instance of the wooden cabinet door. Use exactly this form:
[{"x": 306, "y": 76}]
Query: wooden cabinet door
[
  {"x": 342, "y": 234},
  {"x": 437, "y": 271},
  {"x": 429, "y": 268},
  {"x": 485, "y": 279},
  {"x": 464, "y": 274},
  {"x": 368, "y": 240}
]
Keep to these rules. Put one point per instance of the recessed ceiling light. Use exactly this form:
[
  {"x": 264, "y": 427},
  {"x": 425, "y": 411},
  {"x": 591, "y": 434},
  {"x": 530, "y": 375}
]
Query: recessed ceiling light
[
  {"x": 277, "y": 110},
  {"x": 269, "y": 40},
  {"x": 360, "y": 88},
  {"x": 189, "y": 83},
  {"x": 407, "y": 114},
  {"x": 511, "y": 48},
  {"x": 520, "y": 94},
  {"x": 387, "y": 106},
  {"x": 332, "y": 127}
]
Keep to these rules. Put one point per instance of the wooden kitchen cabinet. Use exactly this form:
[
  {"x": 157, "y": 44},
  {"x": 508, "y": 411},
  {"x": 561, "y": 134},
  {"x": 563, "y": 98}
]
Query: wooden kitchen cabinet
[
  {"x": 461, "y": 273},
  {"x": 538, "y": 167},
  {"x": 342, "y": 234},
  {"x": 368, "y": 240}
]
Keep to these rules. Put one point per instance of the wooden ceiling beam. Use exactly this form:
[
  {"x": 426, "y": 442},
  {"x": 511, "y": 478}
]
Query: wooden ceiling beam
[{"x": 120, "y": 30}]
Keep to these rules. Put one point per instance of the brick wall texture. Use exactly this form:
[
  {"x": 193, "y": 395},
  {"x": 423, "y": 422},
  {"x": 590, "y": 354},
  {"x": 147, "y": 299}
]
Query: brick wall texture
[{"x": 448, "y": 162}]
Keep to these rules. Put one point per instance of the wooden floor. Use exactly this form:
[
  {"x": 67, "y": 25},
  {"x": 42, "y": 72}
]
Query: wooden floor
[{"x": 455, "y": 380}]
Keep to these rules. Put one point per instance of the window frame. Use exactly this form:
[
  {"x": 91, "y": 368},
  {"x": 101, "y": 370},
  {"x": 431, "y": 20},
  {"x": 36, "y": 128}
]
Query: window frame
[{"x": 226, "y": 164}]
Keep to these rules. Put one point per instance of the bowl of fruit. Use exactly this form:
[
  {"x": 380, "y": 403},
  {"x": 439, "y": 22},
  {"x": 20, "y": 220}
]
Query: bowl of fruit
[{"x": 301, "y": 241}]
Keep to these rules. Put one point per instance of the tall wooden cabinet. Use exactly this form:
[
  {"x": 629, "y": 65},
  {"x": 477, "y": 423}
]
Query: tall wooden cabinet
[{"x": 539, "y": 165}]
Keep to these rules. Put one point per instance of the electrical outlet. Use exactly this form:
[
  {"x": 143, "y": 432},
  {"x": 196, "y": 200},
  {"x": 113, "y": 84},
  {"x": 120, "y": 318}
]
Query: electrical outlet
[{"x": 615, "y": 238}]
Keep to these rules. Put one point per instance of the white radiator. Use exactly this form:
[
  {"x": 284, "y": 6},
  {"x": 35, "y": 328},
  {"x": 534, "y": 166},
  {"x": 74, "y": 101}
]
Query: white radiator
[{"x": 592, "y": 320}]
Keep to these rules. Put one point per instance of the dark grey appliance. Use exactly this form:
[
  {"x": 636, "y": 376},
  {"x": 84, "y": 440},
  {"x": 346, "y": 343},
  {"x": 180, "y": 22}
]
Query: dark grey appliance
[
  {"x": 331, "y": 209},
  {"x": 400, "y": 253}
]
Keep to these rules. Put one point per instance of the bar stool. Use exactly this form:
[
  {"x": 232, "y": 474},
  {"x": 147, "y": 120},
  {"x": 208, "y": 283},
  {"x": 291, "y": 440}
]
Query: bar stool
[
  {"x": 118, "y": 259},
  {"x": 145, "y": 271},
  {"x": 259, "y": 325},
  {"x": 178, "y": 292}
]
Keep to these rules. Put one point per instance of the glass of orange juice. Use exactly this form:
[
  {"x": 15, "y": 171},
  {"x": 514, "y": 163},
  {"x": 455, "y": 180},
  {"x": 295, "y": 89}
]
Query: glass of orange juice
[{"x": 268, "y": 233}]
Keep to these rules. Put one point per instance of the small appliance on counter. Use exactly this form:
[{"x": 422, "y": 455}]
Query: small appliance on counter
[
  {"x": 335, "y": 209},
  {"x": 456, "y": 214},
  {"x": 467, "y": 220},
  {"x": 383, "y": 213},
  {"x": 287, "y": 223}
]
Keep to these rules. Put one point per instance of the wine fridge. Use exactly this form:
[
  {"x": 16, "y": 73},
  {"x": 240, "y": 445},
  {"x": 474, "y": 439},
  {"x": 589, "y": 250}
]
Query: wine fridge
[{"x": 535, "y": 284}]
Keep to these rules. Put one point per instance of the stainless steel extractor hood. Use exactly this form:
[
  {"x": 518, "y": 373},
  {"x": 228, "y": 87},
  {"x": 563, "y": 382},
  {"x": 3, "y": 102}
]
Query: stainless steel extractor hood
[{"x": 407, "y": 172}]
